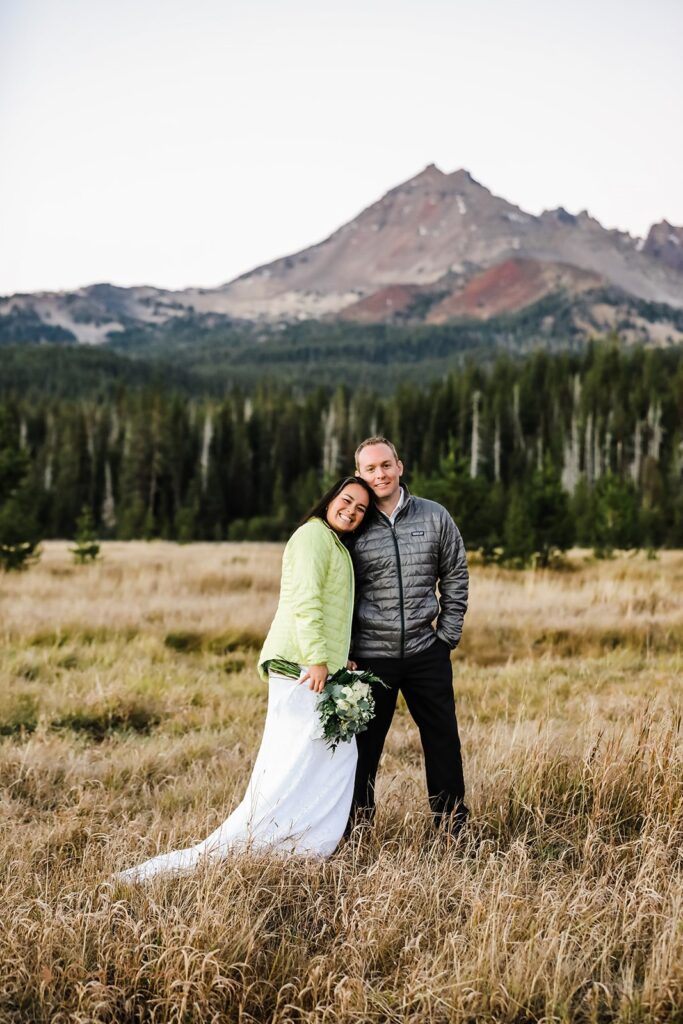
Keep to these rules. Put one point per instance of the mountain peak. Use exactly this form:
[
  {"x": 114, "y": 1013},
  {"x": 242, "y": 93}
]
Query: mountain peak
[
  {"x": 559, "y": 214},
  {"x": 665, "y": 244},
  {"x": 431, "y": 173},
  {"x": 462, "y": 177}
]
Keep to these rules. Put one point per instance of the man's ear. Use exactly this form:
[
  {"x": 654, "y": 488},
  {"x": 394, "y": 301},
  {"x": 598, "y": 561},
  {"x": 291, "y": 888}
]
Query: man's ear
[
  {"x": 400, "y": 467},
  {"x": 358, "y": 473}
]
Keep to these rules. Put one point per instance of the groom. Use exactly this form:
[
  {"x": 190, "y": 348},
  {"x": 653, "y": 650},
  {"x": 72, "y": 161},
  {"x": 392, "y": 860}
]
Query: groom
[{"x": 409, "y": 547}]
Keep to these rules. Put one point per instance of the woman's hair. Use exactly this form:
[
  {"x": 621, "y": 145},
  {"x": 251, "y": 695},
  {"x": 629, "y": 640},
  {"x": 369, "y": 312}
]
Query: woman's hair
[{"x": 319, "y": 510}]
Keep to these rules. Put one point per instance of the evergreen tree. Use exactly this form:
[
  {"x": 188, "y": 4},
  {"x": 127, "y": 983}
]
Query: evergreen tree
[
  {"x": 550, "y": 523},
  {"x": 615, "y": 523},
  {"x": 467, "y": 498},
  {"x": 19, "y": 530},
  {"x": 489, "y": 441},
  {"x": 518, "y": 539},
  {"x": 72, "y": 470},
  {"x": 582, "y": 506},
  {"x": 86, "y": 548}
]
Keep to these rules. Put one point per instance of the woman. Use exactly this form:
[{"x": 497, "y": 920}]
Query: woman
[{"x": 299, "y": 795}]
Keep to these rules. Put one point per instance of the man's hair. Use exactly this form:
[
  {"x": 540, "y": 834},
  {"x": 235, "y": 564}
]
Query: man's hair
[{"x": 374, "y": 440}]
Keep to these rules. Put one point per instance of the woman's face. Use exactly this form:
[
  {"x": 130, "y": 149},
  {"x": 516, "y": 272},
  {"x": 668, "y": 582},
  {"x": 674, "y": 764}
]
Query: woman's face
[{"x": 345, "y": 512}]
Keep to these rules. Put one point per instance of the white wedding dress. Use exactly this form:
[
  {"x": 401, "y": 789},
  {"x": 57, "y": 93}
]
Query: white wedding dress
[{"x": 298, "y": 798}]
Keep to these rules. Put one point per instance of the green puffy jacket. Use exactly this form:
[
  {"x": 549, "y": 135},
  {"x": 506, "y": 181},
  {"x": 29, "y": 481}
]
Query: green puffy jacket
[{"x": 312, "y": 624}]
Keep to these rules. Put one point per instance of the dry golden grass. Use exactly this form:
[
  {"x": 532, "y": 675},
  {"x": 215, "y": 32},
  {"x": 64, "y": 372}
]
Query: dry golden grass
[{"x": 130, "y": 714}]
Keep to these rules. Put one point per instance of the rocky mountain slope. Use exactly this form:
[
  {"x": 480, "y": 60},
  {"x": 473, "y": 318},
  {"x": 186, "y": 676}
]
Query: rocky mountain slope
[
  {"x": 436, "y": 248},
  {"x": 665, "y": 243}
]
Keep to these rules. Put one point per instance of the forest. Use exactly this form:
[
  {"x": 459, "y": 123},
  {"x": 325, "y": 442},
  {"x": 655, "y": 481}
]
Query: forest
[
  {"x": 531, "y": 455},
  {"x": 207, "y": 353}
]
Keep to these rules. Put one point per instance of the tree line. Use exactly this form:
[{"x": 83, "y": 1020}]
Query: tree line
[{"x": 529, "y": 455}]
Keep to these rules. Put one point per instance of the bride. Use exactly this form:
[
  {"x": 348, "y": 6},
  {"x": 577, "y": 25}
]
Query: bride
[{"x": 299, "y": 795}]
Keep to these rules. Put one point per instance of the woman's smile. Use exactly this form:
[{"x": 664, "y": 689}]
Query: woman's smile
[{"x": 347, "y": 509}]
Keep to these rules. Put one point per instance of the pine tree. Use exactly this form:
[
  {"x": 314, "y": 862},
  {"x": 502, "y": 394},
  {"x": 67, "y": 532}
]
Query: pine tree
[
  {"x": 616, "y": 516},
  {"x": 582, "y": 505},
  {"x": 550, "y": 518},
  {"x": 518, "y": 538},
  {"x": 87, "y": 547},
  {"x": 19, "y": 531},
  {"x": 466, "y": 498}
]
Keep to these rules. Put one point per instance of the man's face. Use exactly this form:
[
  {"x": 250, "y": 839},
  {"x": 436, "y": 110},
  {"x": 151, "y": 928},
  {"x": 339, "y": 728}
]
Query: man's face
[{"x": 379, "y": 467}]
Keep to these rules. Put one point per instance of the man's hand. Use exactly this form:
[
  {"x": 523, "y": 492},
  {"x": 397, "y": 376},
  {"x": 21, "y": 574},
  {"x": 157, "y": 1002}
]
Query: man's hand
[
  {"x": 351, "y": 666},
  {"x": 316, "y": 677}
]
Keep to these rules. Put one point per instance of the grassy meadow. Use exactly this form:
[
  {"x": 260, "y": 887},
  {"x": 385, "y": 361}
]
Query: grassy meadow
[{"x": 130, "y": 715}]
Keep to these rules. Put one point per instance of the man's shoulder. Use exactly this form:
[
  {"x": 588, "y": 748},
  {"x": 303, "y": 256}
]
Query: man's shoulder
[
  {"x": 377, "y": 525},
  {"x": 427, "y": 508},
  {"x": 426, "y": 504}
]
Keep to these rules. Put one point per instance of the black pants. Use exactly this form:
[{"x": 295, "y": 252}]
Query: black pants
[{"x": 426, "y": 682}]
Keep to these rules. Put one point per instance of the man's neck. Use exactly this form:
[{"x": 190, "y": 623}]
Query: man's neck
[{"x": 387, "y": 505}]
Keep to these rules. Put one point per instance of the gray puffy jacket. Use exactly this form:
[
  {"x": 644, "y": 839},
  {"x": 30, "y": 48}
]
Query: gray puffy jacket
[{"x": 397, "y": 570}]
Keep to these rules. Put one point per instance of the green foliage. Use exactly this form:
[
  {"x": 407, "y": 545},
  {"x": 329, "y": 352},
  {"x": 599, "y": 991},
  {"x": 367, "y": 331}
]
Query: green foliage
[
  {"x": 259, "y": 528},
  {"x": 18, "y": 713},
  {"x": 616, "y": 522},
  {"x": 518, "y": 540},
  {"x": 528, "y": 455},
  {"x": 472, "y": 501},
  {"x": 550, "y": 522},
  {"x": 19, "y": 529},
  {"x": 24, "y": 326},
  {"x": 16, "y": 556},
  {"x": 103, "y": 719},
  {"x": 73, "y": 371},
  {"x": 87, "y": 548},
  {"x": 184, "y": 641}
]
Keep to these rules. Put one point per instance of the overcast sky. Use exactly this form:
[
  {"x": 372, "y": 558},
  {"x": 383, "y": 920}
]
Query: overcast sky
[{"x": 182, "y": 143}]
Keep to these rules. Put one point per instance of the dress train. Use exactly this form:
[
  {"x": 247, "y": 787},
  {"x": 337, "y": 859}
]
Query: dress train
[{"x": 298, "y": 798}]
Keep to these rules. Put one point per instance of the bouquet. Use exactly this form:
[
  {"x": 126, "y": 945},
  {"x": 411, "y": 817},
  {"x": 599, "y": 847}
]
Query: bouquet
[{"x": 346, "y": 704}]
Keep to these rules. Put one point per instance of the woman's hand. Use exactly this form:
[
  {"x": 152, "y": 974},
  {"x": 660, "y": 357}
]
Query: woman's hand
[
  {"x": 316, "y": 677},
  {"x": 351, "y": 666}
]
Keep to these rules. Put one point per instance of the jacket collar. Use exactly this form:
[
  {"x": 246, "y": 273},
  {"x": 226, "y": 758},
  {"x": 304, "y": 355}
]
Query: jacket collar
[
  {"x": 326, "y": 526},
  {"x": 407, "y": 499}
]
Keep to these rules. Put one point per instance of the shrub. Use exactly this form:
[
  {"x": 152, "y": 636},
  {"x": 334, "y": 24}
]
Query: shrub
[{"x": 87, "y": 547}]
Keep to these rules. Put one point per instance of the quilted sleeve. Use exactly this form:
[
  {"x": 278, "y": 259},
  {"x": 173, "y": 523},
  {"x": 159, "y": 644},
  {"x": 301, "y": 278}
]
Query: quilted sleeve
[
  {"x": 309, "y": 553},
  {"x": 453, "y": 582}
]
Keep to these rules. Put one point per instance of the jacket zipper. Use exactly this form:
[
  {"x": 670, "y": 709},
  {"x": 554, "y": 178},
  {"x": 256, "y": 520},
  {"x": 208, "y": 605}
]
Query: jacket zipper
[
  {"x": 352, "y": 581},
  {"x": 400, "y": 590}
]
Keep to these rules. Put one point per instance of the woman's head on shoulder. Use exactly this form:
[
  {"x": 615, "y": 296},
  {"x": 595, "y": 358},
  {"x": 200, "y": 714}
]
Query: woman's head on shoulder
[{"x": 345, "y": 506}]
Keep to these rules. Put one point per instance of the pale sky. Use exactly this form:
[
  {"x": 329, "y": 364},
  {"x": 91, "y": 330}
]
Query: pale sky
[{"x": 184, "y": 142}]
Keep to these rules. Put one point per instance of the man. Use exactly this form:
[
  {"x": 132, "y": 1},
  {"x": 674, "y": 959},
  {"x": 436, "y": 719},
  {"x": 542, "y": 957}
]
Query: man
[{"x": 409, "y": 547}]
